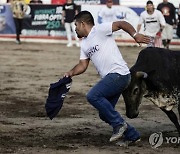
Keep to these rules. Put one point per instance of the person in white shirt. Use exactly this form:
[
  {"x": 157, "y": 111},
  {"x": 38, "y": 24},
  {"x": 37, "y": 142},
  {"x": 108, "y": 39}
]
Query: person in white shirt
[
  {"x": 108, "y": 13},
  {"x": 153, "y": 21},
  {"x": 69, "y": 11},
  {"x": 99, "y": 46}
]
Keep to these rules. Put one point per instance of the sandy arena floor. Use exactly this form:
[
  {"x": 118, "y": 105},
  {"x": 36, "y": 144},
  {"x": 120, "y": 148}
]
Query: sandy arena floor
[{"x": 26, "y": 71}]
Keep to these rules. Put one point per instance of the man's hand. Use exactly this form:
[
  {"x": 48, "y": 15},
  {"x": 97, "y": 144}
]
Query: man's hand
[
  {"x": 68, "y": 74},
  {"x": 140, "y": 38},
  {"x": 78, "y": 69}
]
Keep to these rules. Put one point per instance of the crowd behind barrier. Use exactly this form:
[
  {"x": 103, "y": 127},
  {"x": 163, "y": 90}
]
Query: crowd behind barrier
[
  {"x": 44, "y": 20},
  {"x": 128, "y": 3}
]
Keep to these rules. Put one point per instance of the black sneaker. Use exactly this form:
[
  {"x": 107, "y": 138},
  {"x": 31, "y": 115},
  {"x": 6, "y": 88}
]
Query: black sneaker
[
  {"x": 118, "y": 132},
  {"x": 126, "y": 143}
]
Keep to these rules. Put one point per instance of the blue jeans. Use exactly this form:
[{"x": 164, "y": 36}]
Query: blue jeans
[{"x": 104, "y": 96}]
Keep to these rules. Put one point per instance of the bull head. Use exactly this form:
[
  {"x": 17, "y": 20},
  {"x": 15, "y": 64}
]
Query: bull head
[{"x": 134, "y": 93}]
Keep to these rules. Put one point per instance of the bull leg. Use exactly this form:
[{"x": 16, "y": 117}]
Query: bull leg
[{"x": 172, "y": 116}]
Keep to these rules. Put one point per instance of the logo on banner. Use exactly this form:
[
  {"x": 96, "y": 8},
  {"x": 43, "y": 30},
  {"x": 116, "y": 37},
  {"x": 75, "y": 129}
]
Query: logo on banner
[{"x": 2, "y": 9}]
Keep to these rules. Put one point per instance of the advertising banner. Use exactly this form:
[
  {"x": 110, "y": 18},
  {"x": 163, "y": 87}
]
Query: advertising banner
[
  {"x": 6, "y": 20},
  {"x": 80, "y": 2},
  {"x": 43, "y": 20}
]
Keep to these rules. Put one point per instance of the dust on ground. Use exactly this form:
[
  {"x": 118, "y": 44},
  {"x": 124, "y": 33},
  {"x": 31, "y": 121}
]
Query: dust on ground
[{"x": 26, "y": 71}]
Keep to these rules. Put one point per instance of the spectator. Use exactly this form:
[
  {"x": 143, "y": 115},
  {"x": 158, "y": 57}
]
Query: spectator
[
  {"x": 36, "y": 2},
  {"x": 99, "y": 46},
  {"x": 178, "y": 25},
  {"x": 153, "y": 21},
  {"x": 108, "y": 13},
  {"x": 169, "y": 12},
  {"x": 69, "y": 11},
  {"x": 18, "y": 8},
  {"x": 4, "y": 27}
]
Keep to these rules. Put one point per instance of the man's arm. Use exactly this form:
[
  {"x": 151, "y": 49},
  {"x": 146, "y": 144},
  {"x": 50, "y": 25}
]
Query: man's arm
[
  {"x": 161, "y": 28},
  {"x": 63, "y": 16},
  {"x": 139, "y": 38},
  {"x": 138, "y": 27},
  {"x": 76, "y": 9},
  {"x": 162, "y": 21},
  {"x": 78, "y": 69}
]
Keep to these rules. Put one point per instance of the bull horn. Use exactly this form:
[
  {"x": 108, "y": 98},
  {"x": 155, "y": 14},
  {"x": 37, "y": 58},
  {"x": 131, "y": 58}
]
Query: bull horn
[{"x": 141, "y": 74}]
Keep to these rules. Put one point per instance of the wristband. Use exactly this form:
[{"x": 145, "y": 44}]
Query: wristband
[{"x": 134, "y": 34}]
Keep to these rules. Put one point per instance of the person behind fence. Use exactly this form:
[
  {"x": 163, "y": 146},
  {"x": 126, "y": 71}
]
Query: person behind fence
[
  {"x": 19, "y": 8},
  {"x": 153, "y": 22},
  {"x": 69, "y": 11},
  {"x": 99, "y": 46},
  {"x": 169, "y": 12},
  {"x": 108, "y": 13}
]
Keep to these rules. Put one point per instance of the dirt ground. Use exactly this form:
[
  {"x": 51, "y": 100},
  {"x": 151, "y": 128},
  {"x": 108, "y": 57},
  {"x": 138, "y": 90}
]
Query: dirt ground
[{"x": 26, "y": 71}]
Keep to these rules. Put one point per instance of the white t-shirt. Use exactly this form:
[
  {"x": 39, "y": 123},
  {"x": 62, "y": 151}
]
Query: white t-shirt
[
  {"x": 100, "y": 47},
  {"x": 108, "y": 14},
  {"x": 152, "y": 22}
]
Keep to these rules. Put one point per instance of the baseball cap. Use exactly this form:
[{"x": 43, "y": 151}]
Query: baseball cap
[{"x": 149, "y": 2}]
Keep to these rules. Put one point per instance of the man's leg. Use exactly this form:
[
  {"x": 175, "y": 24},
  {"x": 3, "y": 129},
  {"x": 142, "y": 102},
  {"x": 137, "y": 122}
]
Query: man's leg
[
  {"x": 110, "y": 86},
  {"x": 169, "y": 34},
  {"x": 68, "y": 32},
  {"x": 99, "y": 94},
  {"x": 113, "y": 100},
  {"x": 16, "y": 21},
  {"x": 168, "y": 43},
  {"x": 131, "y": 134},
  {"x": 75, "y": 35},
  {"x": 164, "y": 41},
  {"x": 164, "y": 37},
  {"x": 20, "y": 21}
]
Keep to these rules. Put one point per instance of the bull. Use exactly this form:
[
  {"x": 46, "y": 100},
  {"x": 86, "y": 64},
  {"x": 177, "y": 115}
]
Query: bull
[{"x": 155, "y": 76}]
